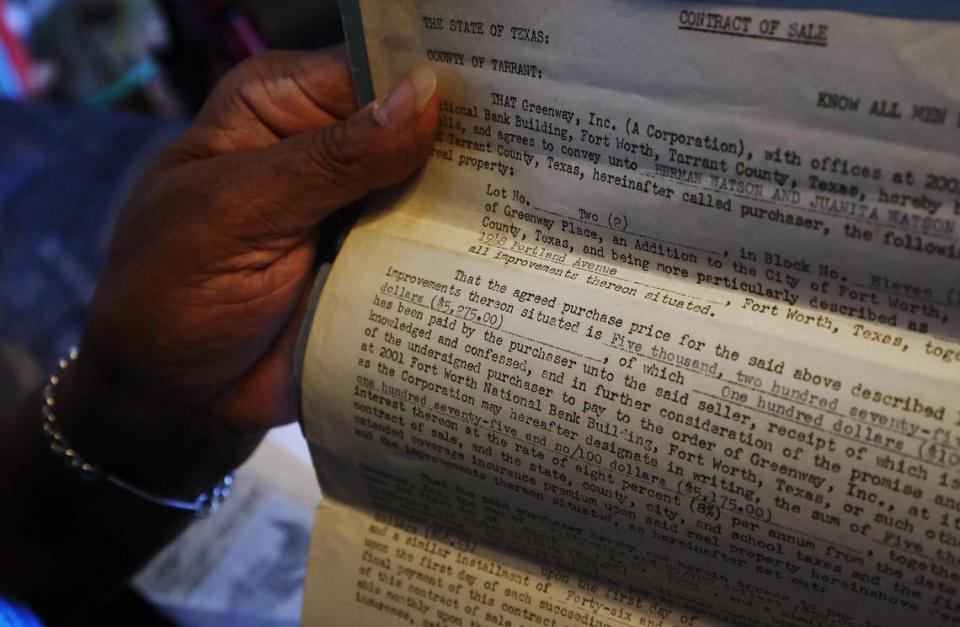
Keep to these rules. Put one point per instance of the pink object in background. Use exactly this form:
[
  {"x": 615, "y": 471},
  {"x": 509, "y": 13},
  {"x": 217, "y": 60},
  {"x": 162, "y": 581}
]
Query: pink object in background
[{"x": 14, "y": 61}]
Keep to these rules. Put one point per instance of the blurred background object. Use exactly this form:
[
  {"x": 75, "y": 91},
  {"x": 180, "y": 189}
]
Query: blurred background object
[
  {"x": 15, "y": 63},
  {"x": 155, "y": 56},
  {"x": 90, "y": 91}
]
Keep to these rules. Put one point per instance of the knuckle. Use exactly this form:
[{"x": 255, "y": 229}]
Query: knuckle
[
  {"x": 334, "y": 152},
  {"x": 250, "y": 71},
  {"x": 259, "y": 63}
]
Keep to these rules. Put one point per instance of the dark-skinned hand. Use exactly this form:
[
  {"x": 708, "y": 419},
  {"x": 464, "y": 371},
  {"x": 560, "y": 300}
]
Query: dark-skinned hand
[{"x": 186, "y": 359}]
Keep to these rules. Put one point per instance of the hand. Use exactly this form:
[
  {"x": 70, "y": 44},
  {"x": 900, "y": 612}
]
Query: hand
[{"x": 187, "y": 354}]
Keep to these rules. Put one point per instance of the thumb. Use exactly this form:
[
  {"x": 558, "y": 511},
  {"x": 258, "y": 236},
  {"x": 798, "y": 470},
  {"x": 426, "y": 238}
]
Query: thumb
[{"x": 280, "y": 192}]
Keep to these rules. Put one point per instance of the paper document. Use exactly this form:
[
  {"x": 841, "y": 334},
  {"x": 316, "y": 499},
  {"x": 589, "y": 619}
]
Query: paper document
[{"x": 664, "y": 333}]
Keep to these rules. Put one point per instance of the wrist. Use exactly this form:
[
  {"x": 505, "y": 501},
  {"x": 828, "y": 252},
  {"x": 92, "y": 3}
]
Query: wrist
[{"x": 169, "y": 450}]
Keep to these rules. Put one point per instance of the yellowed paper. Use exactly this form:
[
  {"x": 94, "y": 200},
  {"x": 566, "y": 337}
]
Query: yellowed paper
[
  {"x": 389, "y": 571},
  {"x": 672, "y": 309}
]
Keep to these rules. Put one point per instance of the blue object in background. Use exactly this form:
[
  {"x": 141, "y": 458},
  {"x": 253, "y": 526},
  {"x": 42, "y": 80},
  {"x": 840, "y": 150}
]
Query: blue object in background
[
  {"x": 12, "y": 615},
  {"x": 64, "y": 175}
]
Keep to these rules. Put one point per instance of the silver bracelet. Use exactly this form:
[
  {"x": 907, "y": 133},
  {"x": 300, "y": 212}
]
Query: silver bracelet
[{"x": 202, "y": 506}]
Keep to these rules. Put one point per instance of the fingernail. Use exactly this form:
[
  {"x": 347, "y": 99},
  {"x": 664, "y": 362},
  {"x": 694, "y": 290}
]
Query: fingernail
[{"x": 407, "y": 100}]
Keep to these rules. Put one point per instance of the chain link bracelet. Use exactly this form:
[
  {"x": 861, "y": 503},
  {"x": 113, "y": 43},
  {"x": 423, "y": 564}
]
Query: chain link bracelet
[{"x": 204, "y": 505}]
